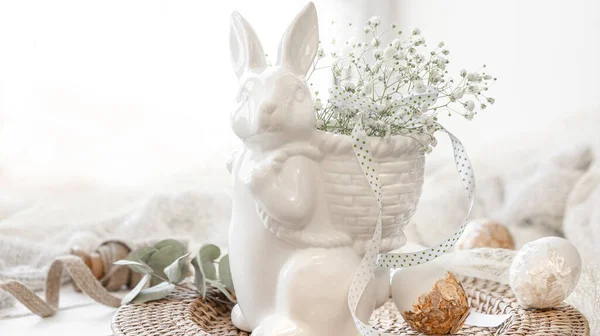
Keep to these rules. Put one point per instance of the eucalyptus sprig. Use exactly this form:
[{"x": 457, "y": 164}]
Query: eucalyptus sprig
[{"x": 166, "y": 264}]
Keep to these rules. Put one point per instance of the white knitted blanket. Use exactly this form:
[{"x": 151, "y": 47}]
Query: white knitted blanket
[{"x": 32, "y": 235}]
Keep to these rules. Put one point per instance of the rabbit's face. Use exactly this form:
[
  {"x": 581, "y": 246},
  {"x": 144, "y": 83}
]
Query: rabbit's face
[{"x": 274, "y": 104}]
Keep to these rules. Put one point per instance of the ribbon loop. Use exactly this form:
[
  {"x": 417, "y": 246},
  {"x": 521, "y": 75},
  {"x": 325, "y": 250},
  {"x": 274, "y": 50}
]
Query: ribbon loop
[{"x": 372, "y": 259}]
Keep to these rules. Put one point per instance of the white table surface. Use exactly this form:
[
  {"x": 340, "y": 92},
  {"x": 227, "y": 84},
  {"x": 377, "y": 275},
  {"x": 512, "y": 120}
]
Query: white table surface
[{"x": 78, "y": 316}]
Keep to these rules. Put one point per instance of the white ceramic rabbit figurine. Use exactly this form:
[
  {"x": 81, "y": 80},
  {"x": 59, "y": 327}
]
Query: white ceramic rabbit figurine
[{"x": 290, "y": 267}]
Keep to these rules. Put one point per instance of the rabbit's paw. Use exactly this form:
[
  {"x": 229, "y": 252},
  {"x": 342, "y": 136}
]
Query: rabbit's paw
[
  {"x": 238, "y": 319},
  {"x": 282, "y": 326}
]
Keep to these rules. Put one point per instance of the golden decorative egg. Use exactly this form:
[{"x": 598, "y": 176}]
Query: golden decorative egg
[
  {"x": 440, "y": 309},
  {"x": 484, "y": 232}
]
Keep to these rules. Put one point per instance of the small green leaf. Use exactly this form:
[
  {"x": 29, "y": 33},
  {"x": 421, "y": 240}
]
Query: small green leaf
[
  {"x": 136, "y": 290},
  {"x": 178, "y": 269},
  {"x": 167, "y": 251},
  {"x": 166, "y": 243},
  {"x": 222, "y": 289},
  {"x": 225, "y": 273},
  {"x": 199, "y": 276},
  {"x": 208, "y": 254},
  {"x": 135, "y": 266},
  {"x": 154, "y": 293},
  {"x": 141, "y": 254}
]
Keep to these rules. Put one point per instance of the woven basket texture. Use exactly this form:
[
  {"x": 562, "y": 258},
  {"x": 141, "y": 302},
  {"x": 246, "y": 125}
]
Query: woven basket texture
[
  {"x": 352, "y": 207},
  {"x": 183, "y": 313}
]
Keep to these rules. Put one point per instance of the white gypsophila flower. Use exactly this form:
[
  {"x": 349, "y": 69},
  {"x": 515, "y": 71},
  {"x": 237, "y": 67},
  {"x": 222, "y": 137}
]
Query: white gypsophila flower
[
  {"x": 375, "y": 21},
  {"x": 470, "y": 106},
  {"x": 379, "y": 107},
  {"x": 377, "y": 53},
  {"x": 388, "y": 52},
  {"x": 418, "y": 39},
  {"x": 348, "y": 84},
  {"x": 368, "y": 88},
  {"x": 441, "y": 60},
  {"x": 491, "y": 100},
  {"x": 377, "y": 65},
  {"x": 321, "y": 53},
  {"x": 474, "y": 89},
  {"x": 458, "y": 94},
  {"x": 378, "y": 88},
  {"x": 419, "y": 86},
  {"x": 473, "y": 76}
]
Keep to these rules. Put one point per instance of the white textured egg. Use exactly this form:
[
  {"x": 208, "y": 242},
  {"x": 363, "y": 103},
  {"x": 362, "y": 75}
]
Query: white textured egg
[{"x": 545, "y": 272}]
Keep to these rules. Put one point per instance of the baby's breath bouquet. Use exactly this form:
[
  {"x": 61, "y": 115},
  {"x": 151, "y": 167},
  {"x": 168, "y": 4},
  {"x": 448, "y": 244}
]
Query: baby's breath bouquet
[{"x": 395, "y": 86}]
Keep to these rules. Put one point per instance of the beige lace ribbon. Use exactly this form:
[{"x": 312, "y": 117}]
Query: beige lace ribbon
[{"x": 81, "y": 276}]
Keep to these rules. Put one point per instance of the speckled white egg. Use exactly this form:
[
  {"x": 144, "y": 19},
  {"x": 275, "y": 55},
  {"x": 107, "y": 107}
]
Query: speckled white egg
[{"x": 545, "y": 272}]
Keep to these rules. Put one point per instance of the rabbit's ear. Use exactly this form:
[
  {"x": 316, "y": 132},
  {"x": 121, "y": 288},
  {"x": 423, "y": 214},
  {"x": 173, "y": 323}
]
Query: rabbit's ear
[
  {"x": 300, "y": 42},
  {"x": 246, "y": 50}
]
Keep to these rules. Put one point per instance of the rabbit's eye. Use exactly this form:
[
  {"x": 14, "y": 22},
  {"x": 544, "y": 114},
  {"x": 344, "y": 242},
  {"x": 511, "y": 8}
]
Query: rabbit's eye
[
  {"x": 299, "y": 94},
  {"x": 242, "y": 96},
  {"x": 244, "y": 91}
]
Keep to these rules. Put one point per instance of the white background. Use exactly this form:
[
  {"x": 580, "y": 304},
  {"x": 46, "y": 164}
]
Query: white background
[{"x": 128, "y": 93}]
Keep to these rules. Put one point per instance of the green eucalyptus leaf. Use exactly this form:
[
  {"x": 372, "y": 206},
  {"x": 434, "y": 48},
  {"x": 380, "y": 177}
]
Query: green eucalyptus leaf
[
  {"x": 136, "y": 290},
  {"x": 208, "y": 254},
  {"x": 178, "y": 269},
  {"x": 225, "y": 273},
  {"x": 154, "y": 293},
  {"x": 167, "y": 251},
  {"x": 135, "y": 266},
  {"x": 199, "y": 276},
  {"x": 170, "y": 243},
  {"x": 141, "y": 254},
  {"x": 221, "y": 288}
]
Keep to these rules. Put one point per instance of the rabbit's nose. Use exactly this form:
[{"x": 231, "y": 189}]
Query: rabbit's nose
[{"x": 268, "y": 108}]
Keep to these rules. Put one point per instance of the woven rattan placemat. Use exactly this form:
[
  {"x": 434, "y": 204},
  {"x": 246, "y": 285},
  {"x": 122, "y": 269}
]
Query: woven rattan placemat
[{"x": 184, "y": 313}]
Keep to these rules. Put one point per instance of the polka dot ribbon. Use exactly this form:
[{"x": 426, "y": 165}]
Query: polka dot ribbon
[{"x": 372, "y": 258}]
